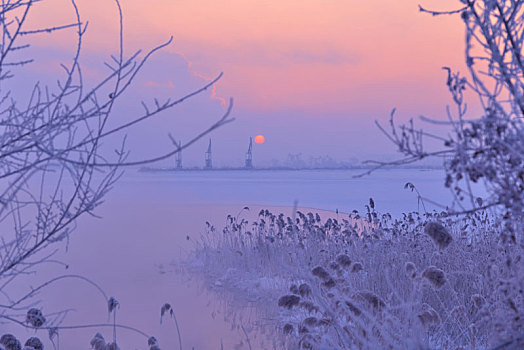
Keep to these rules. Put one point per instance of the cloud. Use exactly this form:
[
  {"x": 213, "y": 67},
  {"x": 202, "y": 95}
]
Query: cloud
[
  {"x": 168, "y": 85},
  {"x": 300, "y": 56}
]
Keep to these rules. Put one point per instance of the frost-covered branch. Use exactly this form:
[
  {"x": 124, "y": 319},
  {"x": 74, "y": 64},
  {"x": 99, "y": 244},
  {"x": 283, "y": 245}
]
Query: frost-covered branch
[
  {"x": 486, "y": 148},
  {"x": 53, "y": 169}
]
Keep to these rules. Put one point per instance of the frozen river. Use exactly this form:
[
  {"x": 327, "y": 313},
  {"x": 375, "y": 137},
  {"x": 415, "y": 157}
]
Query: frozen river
[{"x": 146, "y": 221}]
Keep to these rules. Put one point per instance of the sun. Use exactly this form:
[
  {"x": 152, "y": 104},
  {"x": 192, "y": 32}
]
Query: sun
[{"x": 260, "y": 139}]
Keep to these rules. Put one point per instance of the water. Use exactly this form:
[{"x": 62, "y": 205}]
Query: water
[
  {"x": 321, "y": 189},
  {"x": 151, "y": 218}
]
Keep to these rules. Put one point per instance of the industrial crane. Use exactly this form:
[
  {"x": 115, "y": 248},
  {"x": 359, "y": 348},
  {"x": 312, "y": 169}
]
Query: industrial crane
[
  {"x": 249, "y": 155},
  {"x": 178, "y": 160},
  {"x": 209, "y": 163}
]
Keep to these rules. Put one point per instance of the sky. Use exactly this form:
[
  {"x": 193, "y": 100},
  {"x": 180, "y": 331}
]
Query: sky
[{"x": 312, "y": 76}]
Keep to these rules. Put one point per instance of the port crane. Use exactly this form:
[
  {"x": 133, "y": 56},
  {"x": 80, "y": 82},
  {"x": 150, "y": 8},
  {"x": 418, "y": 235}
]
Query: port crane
[
  {"x": 209, "y": 163},
  {"x": 178, "y": 159},
  {"x": 249, "y": 155}
]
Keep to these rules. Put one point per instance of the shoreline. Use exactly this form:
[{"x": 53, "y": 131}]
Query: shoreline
[{"x": 196, "y": 169}]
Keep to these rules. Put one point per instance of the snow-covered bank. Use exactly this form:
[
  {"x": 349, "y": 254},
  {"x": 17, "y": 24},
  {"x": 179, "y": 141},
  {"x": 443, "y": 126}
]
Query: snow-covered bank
[{"x": 426, "y": 281}]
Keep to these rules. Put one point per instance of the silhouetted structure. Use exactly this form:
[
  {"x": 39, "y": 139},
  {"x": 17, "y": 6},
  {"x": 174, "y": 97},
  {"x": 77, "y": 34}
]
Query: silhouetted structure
[
  {"x": 249, "y": 155},
  {"x": 209, "y": 163},
  {"x": 178, "y": 160}
]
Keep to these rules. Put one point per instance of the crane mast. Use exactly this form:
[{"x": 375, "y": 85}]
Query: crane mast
[
  {"x": 249, "y": 155},
  {"x": 178, "y": 160},
  {"x": 209, "y": 163}
]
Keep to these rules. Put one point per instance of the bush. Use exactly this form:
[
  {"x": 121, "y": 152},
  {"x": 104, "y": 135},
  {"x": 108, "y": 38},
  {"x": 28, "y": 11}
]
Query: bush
[{"x": 402, "y": 291}]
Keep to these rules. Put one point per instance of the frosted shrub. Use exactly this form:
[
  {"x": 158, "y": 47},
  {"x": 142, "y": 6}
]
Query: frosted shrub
[
  {"x": 486, "y": 148},
  {"x": 450, "y": 280},
  {"x": 322, "y": 299}
]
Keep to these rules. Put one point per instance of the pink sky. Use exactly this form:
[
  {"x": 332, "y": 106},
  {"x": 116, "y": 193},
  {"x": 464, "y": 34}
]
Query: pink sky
[{"x": 289, "y": 64}]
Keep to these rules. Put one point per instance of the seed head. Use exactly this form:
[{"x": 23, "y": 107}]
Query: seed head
[
  {"x": 304, "y": 290},
  {"x": 330, "y": 283},
  {"x": 354, "y": 309},
  {"x": 309, "y": 306},
  {"x": 344, "y": 260},
  {"x": 112, "y": 303},
  {"x": 288, "y": 301},
  {"x": 311, "y": 321},
  {"x": 435, "y": 275},
  {"x": 438, "y": 233},
  {"x": 98, "y": 342},
  {"x": 112, "y": 346},
  {"x": 372, "y": 299},
  {"x": 35, "y": 343},
  {"x": 10, "y": 342},
  {"x": 478, "y": 300},
  {"x": 288, "y": 329},
  {"x": 411, "y": 270},
  {"x": 429, "y": 317},
  {"x": 321, "y": 273},
  {"x": 35, "y": 318},
  {"x": 357, "y": 267}
]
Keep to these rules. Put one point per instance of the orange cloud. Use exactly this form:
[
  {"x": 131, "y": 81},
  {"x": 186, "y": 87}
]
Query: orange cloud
[{"x": 214, "y": 95}]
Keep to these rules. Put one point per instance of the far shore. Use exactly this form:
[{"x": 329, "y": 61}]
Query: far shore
[{"x": 357, "y": 167}]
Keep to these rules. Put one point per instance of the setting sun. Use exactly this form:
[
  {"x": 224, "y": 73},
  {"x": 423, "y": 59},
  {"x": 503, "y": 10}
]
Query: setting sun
[{"x": 260, "y": 139}]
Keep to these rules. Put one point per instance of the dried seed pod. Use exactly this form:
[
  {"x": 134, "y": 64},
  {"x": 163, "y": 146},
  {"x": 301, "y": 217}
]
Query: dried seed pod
[
  {"x": 288, "y": 328},
  {"x": 330, "y": 283},
  {"x": 321, "y": 273},
  {"x": 35, "y": 318},
  {"x": 411, "y": 270},
  {"x": 309, "y": 306},
  {"x": 288, "y": 301},
  {"x": 35, "y": 343},
  {"x": 429, "y": 316},
  {"x": 311, "y": 321},
  {"x": 112, "y": 303},
  {"x": 10, "y": 342},
  {"x": 372, "y": 299},
  {"x": 98, "y": 342},
  {"x": 478, "y": 301},
  {"x": 152, "y": 341},
  {"x": 438, "y": 233},
  {"x": 344, "y": 260},
  {"x": 112, "y": 346},
  {"x": 293, "y": 289},
  {"x": 304, "y": 290},
  {"x": 333, "y": 265},
  {"x": 458, "y": 311},
  {"x": 357, "y": 267},
  {"x": 354, "y": 309},
  {"x": 435, "y": 275}
]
